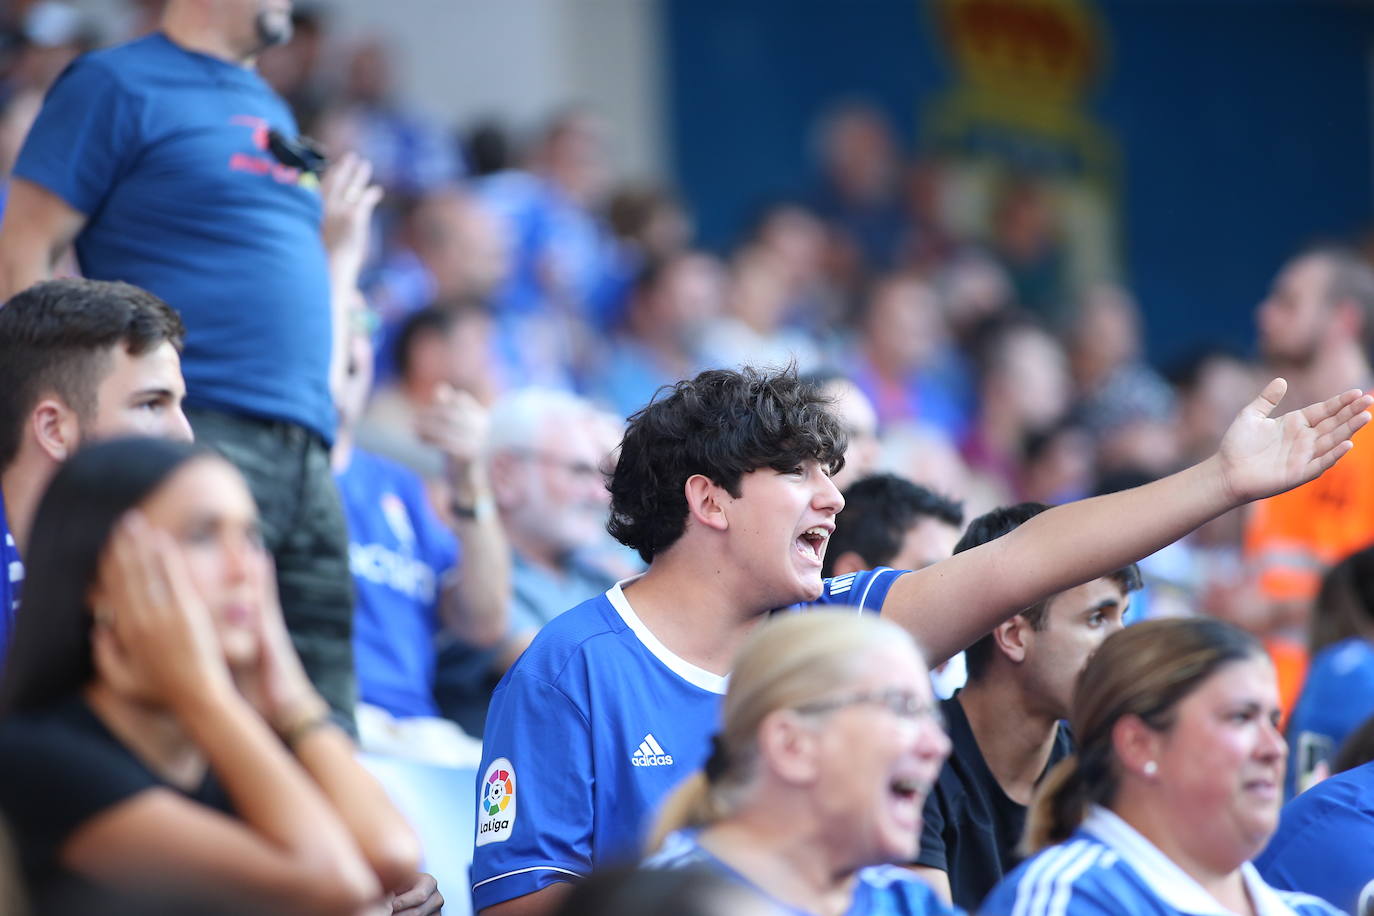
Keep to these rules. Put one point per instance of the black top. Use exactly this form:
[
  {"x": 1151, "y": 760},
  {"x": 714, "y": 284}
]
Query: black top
[
  {"x": 60, "y": 767},
  {"x": 970, "y": 828}
]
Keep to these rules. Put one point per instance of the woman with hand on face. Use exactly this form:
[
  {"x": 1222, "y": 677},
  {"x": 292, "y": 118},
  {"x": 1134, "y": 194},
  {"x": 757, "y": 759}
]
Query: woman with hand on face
[
  {"x": 829, "y": 742},
  {"x": 159, "y": 740},
  {"x": 1175, "y": 787}
]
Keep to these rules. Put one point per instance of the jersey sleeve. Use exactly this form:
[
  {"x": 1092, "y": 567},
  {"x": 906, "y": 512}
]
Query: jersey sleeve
[
  {"x": 864, "y": 591},
  {"x": 84, "y": 138},
  {"x": 534, "y": 794},
  {"x": 1328, "y": 856}
]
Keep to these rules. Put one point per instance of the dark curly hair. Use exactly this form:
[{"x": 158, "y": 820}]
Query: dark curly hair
[{"x": 721, "y": 424}]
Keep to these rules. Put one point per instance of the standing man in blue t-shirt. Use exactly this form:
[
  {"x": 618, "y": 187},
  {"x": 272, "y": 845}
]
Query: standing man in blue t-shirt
[
  {"x": 171, "y": 165},
  {"x": 723, "y": 487}
]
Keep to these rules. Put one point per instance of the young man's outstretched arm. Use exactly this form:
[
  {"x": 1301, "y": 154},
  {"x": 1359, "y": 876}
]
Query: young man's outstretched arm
[{"x": 949, "y": 605}]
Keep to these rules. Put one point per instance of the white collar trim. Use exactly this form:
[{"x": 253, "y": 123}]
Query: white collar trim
[
  {"x": 692, "y": 674},
  {"x": 1172, "y": 884}
]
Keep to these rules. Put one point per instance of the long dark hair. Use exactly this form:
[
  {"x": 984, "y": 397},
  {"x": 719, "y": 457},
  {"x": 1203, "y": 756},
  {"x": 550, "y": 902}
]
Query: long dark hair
[{"x": 50, "y": 654}]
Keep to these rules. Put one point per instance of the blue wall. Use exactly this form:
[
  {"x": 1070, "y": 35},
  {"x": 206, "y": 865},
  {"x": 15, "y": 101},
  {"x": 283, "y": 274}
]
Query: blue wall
[{"x": 1244, "y": 128}]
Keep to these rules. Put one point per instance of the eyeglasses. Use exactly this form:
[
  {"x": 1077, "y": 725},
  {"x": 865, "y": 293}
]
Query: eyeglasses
[
  {"x": 301, "y": 153},
  {"x": 900, "y": 703}
]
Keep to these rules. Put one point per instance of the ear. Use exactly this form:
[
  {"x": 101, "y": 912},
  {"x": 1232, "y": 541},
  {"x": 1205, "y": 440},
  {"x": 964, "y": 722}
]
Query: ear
[
  {"x": 1136, "y": 744},
  {"x": 1349, "y": 319},
  {"x": 706, "y": 502},
  {"x": 849, "y": 562},
  {"x": 1013, "y": 638},
  {"x": 504, "y": 477},
  {"x": 54, "y": 427},
  {"x": 787, "y": 747}
]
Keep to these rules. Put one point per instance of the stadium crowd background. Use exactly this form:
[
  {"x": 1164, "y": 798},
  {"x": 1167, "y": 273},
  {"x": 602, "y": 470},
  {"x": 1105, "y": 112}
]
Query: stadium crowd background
[{"x": 974, "y": 322}]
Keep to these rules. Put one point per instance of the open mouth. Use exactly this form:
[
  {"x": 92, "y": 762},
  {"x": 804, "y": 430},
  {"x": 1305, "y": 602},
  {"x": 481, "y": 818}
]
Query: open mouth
[
  {"x": 811, "y": 542},
  {"x": 906, "y": 789}
]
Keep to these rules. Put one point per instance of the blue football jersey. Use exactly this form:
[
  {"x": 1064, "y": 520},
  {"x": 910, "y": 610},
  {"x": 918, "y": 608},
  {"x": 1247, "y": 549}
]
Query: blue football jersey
[
  {"x": 1325, "y": 842},
  {"x": 588, "y": 732},
  {"x": 883, "y": 890},
  {"x": 1107, "y": 867}
]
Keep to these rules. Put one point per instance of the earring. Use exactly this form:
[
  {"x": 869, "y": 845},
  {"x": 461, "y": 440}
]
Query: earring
[{"x": 1150, "y": 768}]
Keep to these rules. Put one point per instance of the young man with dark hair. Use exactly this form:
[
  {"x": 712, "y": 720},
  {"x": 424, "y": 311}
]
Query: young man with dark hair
[
  {"x": 890, "y": 521},
  {"x": 79, "y": 360},
  {"x": 723, "y": 486},
  {"x": 1005, "y": 725}
]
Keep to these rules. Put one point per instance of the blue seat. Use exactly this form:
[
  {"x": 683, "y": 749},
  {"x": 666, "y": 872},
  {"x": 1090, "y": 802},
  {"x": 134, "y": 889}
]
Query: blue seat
[{"x": 441, "y": 804}]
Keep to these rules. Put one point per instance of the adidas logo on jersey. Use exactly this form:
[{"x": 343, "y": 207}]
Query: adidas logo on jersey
[{"x": 650, "y": 754}]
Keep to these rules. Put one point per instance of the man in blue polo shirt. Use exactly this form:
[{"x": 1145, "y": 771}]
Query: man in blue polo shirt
[
  {"x": 723, "y": 487},
  {"x": 171, "y": 165}
]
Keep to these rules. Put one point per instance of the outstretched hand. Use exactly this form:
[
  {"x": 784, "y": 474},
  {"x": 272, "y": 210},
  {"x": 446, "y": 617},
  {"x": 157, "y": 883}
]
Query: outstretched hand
[{"x": 1261, "y": 454}]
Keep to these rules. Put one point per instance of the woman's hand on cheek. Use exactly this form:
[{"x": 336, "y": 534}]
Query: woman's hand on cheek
[
  {"x": 160, "y": 638},
  {"x": 282, "y": 693}
]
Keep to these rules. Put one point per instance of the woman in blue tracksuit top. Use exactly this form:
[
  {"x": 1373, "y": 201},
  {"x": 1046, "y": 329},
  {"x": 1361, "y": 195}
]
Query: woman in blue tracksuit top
[
  {"x": 828, "y": 745},
  {"x": 1176, "y": 785}
]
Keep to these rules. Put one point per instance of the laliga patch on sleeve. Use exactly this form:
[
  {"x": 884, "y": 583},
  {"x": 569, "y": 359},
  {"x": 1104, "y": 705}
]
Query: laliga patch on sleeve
[{"x": 496, "y": 807}]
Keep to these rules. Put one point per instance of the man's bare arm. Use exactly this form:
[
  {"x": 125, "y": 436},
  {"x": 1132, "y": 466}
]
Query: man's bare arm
[
  {"x": 37, "y": 229},
  {"x": 953, "y": 603}
]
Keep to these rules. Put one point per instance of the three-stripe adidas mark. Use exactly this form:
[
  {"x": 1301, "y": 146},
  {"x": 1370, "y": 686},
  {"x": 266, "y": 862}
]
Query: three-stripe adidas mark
[{"x": 650, "y": 754}]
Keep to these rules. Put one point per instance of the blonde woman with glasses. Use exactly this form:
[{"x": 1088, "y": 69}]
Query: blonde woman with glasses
[{"x": 828, "y": 745}]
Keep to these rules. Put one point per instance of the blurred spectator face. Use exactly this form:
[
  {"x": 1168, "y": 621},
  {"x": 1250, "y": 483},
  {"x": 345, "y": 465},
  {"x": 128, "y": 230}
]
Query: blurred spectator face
[
  {"x": 1033, "y": 377},
  {"x": 227, "y": 567},
  {"x": 975, "y": 288},
  {"x": 925, "y": 455},
  {"x": 860, "y": 421},
  {"x": 690, "y": 291},
  {"x": 458, "y": 356},
  {"x": 1076, "y": 623},
  {"x": 1293, "y": 317},
  {"x": 368, "y": 79},
  {"x": 1224, "y": 385},
  {"x": 758, "y": 290},
  {"x": 462, "y": 245},
  {"x": 649, "y": 218},
  {"x": 554, "y": 492},
  {"x": 574, "y": 157},
  {"x": 797, "y": 240},
  {"x": 1107, "y": 332},
  {"x": 1062, "y": 468},
  {"x": 139, "y": 396},
  {"x": 926, "y": 544},
  {"x": 905, "y": 326},
  {"x": 860, "y": 155}
]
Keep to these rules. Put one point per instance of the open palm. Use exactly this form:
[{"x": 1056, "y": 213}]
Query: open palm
[{"x": 1262, "y": 454}]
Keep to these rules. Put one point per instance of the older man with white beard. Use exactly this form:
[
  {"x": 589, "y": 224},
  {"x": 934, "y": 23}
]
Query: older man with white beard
[{"x": 546, "y": 451}]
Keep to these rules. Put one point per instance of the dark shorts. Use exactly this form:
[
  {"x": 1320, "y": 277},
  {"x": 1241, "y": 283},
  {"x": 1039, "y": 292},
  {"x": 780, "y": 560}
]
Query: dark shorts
[{"x": 287, "y": 468}]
